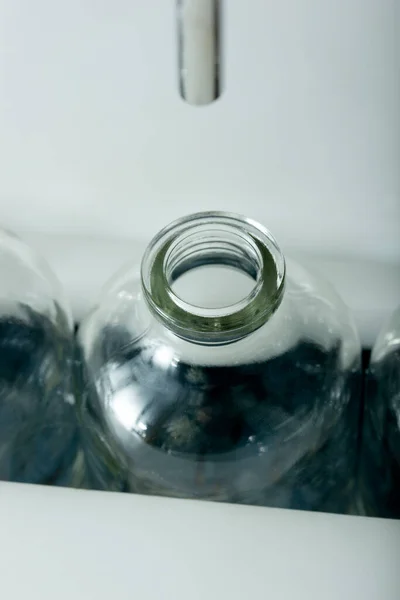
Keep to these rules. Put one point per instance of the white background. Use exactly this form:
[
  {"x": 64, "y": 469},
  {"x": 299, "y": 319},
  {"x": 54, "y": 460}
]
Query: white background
[
  {"x": 305, "y": 138},
  {"x": 96, "y": 145}
]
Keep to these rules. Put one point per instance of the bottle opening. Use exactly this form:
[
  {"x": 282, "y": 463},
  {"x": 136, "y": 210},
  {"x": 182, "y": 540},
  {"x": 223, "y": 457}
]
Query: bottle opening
[
  {"x": 213, "y": 277},
  {"x": 213, "y": 286},
  {"x": 212, "y": 268}
]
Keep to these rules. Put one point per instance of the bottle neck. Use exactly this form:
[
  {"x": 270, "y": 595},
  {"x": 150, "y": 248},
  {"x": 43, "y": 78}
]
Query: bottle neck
[{"x": 213, "y": 239}]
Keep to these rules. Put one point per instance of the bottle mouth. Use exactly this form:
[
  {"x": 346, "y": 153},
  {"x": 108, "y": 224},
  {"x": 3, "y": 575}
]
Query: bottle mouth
[{"x": 213, "y": 238}]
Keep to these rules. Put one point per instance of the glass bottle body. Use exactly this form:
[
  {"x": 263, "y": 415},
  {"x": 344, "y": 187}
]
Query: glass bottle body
[
  {"x": 38, "y": 425},
  {"x": 380, "y": 456},
  {"x": 261, "y": 410}
]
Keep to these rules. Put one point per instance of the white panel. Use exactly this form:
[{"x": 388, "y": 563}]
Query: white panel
[
  {"x": 95, "y": 546},
  {"x": 95, "y": 138}
]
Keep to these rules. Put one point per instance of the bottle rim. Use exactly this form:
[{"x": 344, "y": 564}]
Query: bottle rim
[{"x": 213, "y": 238}]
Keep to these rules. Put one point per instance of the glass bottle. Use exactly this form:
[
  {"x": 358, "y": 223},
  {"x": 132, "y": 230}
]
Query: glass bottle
[
  {"x": 216, "y": 373},
  {"x": 38, "y": 425},
  {"x": 380, "y": 456}
]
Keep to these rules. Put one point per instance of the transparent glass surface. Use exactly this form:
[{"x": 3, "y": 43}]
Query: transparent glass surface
[
  {"x": 38, "y": 425},
  {"x": 216, "y": 372},
  {"x": 380, "y": 456}
]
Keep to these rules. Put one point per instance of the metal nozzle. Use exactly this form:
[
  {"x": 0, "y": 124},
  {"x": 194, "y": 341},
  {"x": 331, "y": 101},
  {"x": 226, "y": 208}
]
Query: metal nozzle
[{"x": 199, "y": 50}]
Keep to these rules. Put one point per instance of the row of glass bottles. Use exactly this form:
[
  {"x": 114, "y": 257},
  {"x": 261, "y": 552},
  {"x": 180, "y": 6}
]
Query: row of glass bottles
[{"x": 215, "y": 372}]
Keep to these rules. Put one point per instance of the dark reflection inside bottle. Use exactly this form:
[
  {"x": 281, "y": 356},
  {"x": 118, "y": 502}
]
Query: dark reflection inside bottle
[
  {"x": 282, "y": 432},
  {"x": 38, "y": 426},
  {"x": 380, "y": 457}
]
